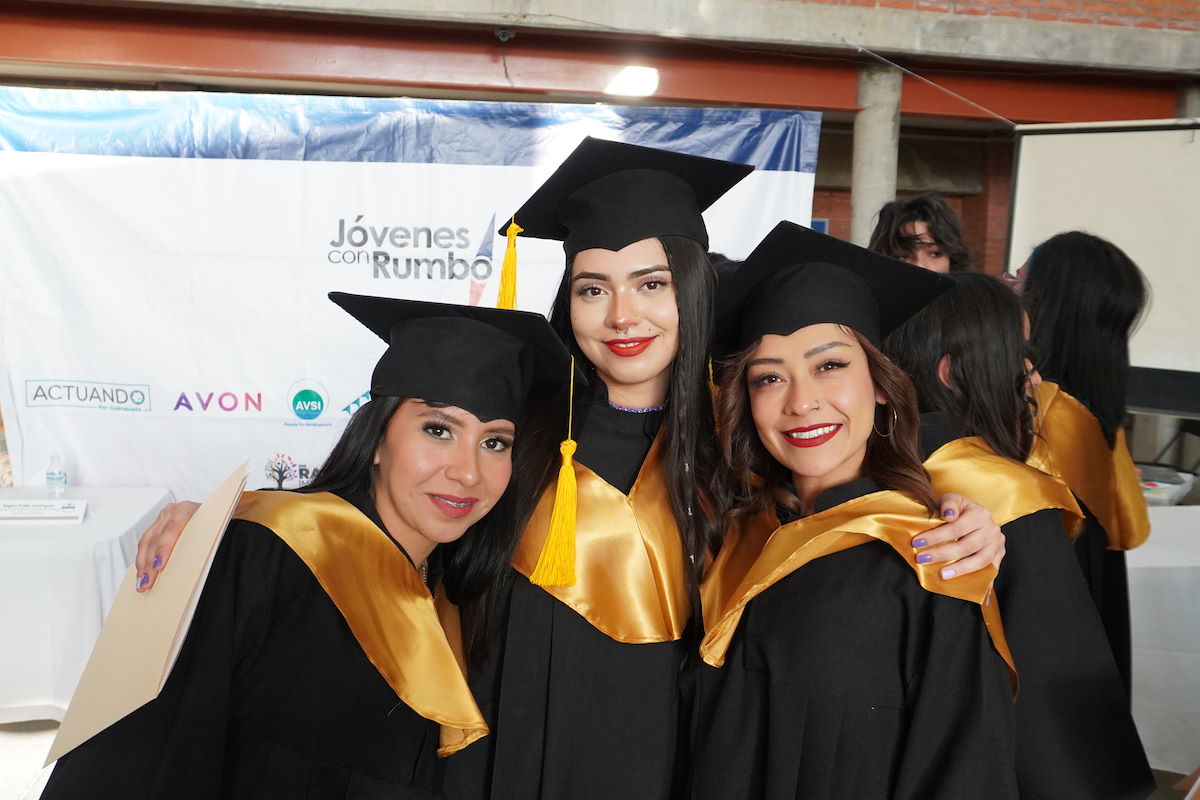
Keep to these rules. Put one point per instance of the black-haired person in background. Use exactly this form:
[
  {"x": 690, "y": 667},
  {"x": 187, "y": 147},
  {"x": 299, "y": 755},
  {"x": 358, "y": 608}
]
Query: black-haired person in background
[
  {"x": 840, "y": 669},
  {"x": 966, "y": 354},
  {"x": 317, "y": 665},
  {"x": 1085, "y": 296},
  {"x": 921, "y": 230}
]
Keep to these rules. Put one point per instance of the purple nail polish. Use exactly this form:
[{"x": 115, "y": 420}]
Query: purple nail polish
[
  {"x": 924, "y": 558},
  {"x": 921, "y": 542},
  {"x": 949, "y": 513},
  {"x": 949, "y": 572},
  {"x": 157, "y": 561},
  {"x": 142, "y": 580}
]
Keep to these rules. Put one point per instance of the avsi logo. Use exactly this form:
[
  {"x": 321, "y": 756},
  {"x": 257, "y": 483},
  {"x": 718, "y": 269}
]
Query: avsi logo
[
  {"x": 307, "y": 399},
  {"x": 88, "y": 394},
  {"x": 283, "y": 468},
  {"x": 308, "y": 404},
  {"x": 426, "y": 252}
]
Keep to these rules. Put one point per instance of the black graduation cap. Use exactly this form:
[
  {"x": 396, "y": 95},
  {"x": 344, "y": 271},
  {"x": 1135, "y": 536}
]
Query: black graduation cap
[
  {"x": 797, "y": 277},
  {"x": 484, "y": 360},
  {"x": 612, "y": 194}
]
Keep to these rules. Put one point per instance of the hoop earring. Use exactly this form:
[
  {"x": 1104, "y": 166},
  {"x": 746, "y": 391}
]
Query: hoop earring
[{"x": 887, "y": 435}]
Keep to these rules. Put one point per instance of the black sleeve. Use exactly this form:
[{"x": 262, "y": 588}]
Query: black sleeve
[
  {"x": 1075, "y": 735},
  {"x": 959, "y": 740},
  {"x": 173, "y": 748}
]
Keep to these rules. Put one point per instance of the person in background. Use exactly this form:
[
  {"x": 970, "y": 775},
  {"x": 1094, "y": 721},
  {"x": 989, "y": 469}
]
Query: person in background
[
  {"x": 1084, "y": 297},
  {"x": 966, "y": 354},
  {"x": 316, "y": 664},
  {"x": 838, "y": 668},
  {"x": 921, "y": 230}
]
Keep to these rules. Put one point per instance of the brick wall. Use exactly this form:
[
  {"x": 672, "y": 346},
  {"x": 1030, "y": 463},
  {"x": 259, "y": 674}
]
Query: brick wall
[{"x": 1172, "y": 14}]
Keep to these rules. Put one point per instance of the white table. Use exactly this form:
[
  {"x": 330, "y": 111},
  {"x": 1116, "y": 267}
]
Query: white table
[
  {"x": 1164, "y": 599},
  {"x": 57, "y": 582}
]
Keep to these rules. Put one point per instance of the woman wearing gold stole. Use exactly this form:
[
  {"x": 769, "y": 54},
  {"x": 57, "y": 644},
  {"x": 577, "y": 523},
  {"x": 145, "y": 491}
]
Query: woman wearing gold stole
[
  {"x": 587, "y": 686},
  {"x": 966, "y": 355},
  {"x": 838, "y": 667},
  {"x": 317, "y": 665},
  {"x": 1085, "y": 296},
  {"x": 589, "y": 689}
]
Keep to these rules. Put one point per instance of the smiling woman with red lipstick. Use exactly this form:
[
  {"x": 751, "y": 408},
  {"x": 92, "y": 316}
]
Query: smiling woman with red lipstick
[
  {"x": 317, "y": 665},
  {"x": 837, "y": 667}
]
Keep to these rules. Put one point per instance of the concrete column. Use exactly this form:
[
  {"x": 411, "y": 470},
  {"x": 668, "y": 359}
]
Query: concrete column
[
  {"x": 1188, "y": 105},
  {"x": 876, "y": 144}
]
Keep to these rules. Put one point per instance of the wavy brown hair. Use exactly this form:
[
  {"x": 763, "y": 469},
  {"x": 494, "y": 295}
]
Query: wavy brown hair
[{"x": 893, "y": 461}]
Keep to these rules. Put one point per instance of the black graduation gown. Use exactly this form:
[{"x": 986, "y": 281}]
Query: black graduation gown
[
  {"x": 1108, "y": 584},
  {"x": 846, "y": 679},
  {"x": 1075, "y": 737},
  {"x": 574, "y": 714},
  {"x": 271, "y": 697}
]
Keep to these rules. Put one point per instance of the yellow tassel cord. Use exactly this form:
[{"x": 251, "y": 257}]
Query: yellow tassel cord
[
  {"x": 507, "y": 297},
  {"x": 556, "y": 564}
]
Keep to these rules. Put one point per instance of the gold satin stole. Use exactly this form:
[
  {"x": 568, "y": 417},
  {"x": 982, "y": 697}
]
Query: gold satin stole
[
  {"x": 1008, "y": 488},
  {"x": 630, "y": 584},
  {"x": 759, "y": 553},
  {"x": 1070, "y": 445},
  {"x": 416, "y": 648}
]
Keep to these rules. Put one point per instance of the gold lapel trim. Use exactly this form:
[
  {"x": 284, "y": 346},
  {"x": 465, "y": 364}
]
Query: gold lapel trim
[
  {"x": 1071, "y": 446},
  {"x": 630, "y": 584},
  {"x": 1008, "y": 488},
  {"x": 383, "y": 600},
  {"x": 884, "y": 516}
]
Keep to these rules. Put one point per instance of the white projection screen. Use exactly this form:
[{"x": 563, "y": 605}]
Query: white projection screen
[{"x": 1136, "y": 184}]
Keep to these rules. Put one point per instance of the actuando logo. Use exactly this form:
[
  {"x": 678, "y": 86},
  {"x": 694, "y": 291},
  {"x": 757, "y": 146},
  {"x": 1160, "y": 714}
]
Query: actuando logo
[
  {"x": 87, "y": 394},
  {"x": 307, "y": 399}
]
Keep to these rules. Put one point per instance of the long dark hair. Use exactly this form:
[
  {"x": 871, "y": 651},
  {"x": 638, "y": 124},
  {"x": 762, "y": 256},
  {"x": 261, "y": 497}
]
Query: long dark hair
[
  {"x": 930, "y": 208},
  {"x": 691, "y": 455},
  {"x": 891, "y": 460},
  {"x": 475, "y": 567},
  {"x": 980, "y": 325},
  {"x": 1084, "y": 297}
]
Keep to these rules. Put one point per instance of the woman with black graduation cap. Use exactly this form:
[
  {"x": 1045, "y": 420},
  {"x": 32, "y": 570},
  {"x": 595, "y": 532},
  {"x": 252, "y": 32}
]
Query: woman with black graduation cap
[
  {"x": 316, "y": 665},
  {"x": 839, "y": 669},
  {"x": 587, "y": 691},
  {"x": 966, "y": 354}
]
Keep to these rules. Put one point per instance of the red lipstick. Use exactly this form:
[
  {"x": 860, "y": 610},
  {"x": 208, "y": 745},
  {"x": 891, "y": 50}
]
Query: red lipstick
[
  {"x": 453, "y": 506},
  {"x": 627, "y": 348},
  {"x": 811, "y": 435}
]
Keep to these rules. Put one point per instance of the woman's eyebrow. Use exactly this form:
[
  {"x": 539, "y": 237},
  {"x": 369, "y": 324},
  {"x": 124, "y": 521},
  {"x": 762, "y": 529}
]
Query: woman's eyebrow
[
  {"x": 441, "y": 416},
  {"x": 821, "y": 348}
]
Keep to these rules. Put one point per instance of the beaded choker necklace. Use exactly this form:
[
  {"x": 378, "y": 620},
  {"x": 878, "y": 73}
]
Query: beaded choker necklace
[{"x": 611, "y": 404}]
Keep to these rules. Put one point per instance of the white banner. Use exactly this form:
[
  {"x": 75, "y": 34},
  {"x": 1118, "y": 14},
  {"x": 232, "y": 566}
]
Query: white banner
[{"x": 162, "y": 318}]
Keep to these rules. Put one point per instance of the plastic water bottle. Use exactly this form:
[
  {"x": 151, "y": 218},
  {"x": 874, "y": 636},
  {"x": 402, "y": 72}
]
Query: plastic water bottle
[{"x": 56, "y": 477}]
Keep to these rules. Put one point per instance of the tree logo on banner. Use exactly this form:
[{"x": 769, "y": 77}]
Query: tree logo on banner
[{"x": 282, "y": 468}]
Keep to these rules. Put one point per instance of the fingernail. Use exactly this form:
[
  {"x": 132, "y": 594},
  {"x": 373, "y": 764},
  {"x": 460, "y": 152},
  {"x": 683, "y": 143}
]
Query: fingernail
[
  {"x": 142, "y": 580},
  {"x": 157, "y": 561},
  {"x": 924, "y": 558},
  {"x": 949, "y": 572},
  {"x": 949, "y": 513},
  {"x": 919, "y": 542}
]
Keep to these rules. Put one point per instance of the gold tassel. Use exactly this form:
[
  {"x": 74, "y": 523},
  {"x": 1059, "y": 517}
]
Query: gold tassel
[
  {"x": 507, "y": 297},
  {"x": 556, "y": 563}
]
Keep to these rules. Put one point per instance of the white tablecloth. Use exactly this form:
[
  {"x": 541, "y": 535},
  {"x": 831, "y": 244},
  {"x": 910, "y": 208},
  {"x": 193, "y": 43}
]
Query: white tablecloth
[
  {"x": 1164, "y": 598},
  {"x": 56, "y": 585}
]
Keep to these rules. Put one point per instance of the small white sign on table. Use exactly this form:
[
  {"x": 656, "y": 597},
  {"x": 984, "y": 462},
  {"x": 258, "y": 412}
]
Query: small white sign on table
[{"x": 59, "y": 511}]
